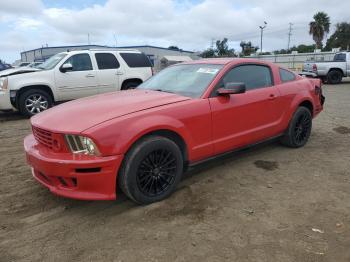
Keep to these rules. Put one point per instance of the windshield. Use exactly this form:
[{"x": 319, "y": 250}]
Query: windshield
[
  {"x": 52, "y": 61},
  {"x": 187, "y": 80}
]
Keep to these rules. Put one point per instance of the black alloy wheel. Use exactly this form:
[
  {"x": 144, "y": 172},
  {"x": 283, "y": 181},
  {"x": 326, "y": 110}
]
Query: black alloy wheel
[
  {"x": 299, "y": 128},
  {"x": 156, "y": 172},
  {"x": 302, "y": 128},
  {"x": 151, "y": 169}
]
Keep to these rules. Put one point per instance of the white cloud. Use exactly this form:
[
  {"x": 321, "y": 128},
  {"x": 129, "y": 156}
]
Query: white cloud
[
  {"x": 21, "y": 7},
  {"x": 169, "y": 22}
]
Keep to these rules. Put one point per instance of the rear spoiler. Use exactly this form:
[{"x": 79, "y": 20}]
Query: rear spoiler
[{"x": 307, "y": 74}]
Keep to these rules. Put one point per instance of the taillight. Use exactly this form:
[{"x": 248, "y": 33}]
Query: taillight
[{"x": 314, "y": 68}]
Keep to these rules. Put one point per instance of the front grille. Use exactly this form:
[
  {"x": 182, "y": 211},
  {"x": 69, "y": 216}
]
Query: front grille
[{"x": 43, "y": 137}]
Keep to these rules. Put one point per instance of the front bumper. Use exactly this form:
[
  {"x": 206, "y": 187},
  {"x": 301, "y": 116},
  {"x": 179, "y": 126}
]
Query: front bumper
[
  {"x": 74, "y": 176},
  {"x": 5, "y": 102}
]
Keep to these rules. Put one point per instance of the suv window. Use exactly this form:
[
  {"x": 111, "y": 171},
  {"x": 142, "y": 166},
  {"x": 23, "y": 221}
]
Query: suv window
[
  {"x": 340, "y": 57},
  {"x": 80, "y": 62},
  {"x": 286, "y": 76},
  {"x": 136, "y": 59},
  {"x": 106, "y": 61},
  {"x": 253, "y": 76}
]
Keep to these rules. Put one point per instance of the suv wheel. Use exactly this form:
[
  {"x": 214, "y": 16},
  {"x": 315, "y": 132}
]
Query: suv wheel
[
  {"x": 299, "y": 129},
  {"x": 34, "y": 101},
  {"x": 334, "y": 77},
  {"x": 151, "y": 170}
]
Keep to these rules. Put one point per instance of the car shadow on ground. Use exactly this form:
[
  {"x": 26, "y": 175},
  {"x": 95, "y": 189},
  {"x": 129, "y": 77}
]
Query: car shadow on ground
[{"x": 10, "y": 116}]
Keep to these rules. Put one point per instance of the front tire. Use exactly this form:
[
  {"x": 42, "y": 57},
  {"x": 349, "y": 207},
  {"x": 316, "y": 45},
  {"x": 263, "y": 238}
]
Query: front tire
[
  {"x": 299, "y": 128},
  {"x": 34, "y": 101},
  {"x": 151, "y": 170}
]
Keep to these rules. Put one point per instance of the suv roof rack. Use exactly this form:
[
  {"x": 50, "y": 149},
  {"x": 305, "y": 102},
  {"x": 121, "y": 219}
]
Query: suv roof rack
[{"x": 111, "y": 49}]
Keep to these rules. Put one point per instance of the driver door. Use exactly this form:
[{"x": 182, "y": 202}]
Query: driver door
[
  {"x": 79, "y": 81},
  {"x": 242, "y": 119}
]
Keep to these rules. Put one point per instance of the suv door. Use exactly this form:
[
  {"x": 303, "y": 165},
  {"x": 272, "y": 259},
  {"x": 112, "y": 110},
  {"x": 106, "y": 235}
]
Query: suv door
[
  {"x": 79, "y": 81},
  {"x": 108, "y": 72},
  {"x": 242, "y": 119}
]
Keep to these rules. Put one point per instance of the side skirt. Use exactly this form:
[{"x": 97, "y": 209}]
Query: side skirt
[{"x": 237, "y": 150}]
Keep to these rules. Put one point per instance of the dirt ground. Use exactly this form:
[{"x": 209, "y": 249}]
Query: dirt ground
[{"x": 270, "y": 203}]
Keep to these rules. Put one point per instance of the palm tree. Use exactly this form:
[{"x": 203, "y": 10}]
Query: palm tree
[{"x": 319, "y": 27}]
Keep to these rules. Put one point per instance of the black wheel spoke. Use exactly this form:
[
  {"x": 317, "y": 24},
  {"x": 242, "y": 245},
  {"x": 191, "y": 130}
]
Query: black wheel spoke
[{"x": 156, "y": 172}]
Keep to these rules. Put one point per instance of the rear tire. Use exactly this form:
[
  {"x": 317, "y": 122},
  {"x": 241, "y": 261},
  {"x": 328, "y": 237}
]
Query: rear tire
[
  {"x": 151, "y": 170},
  {"x": 299, "y": 128},
  {"x": 334, "y": 77},
  {"x": 34, "y": 101}
]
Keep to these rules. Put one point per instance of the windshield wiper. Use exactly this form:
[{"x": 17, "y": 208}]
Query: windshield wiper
[{"x": 162, "y": 90}]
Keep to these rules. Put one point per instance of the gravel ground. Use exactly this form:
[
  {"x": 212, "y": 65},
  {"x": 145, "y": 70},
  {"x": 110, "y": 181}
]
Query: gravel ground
[{"x": 270, "y": 203}]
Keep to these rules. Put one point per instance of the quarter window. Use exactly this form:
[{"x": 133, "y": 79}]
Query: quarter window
[
  {"x": 136, "y": 59},
  {"x": 253, "y": 76},
  {"x": 106, "y": 61},
  {"x": 80, "y": 62},
  {"x": 286, "y": 76}
]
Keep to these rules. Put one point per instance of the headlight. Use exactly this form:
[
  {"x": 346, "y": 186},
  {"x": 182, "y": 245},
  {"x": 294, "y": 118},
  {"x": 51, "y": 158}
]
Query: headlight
[
  {"x": 3, "y": 83},
  {"x": 81, "y": 145}
]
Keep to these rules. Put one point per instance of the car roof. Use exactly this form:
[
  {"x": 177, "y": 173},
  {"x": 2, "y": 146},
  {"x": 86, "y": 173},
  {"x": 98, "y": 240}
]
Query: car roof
[{"x": 226, "y": 61}]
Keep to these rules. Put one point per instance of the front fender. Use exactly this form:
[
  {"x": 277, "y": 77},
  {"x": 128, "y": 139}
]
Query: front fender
[{"x": 132, "y": 129}]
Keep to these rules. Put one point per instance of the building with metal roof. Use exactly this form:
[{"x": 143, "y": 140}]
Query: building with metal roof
[{"x": 154, "y": 53}]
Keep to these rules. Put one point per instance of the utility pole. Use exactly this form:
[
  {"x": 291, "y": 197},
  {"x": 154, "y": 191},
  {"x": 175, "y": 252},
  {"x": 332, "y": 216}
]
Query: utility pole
[
  {"x": 115, "y": 38},
  {"x": 212, "y": 43},
  {"x": 289, "y": 35},
  {"x": 261, "y": 35}
]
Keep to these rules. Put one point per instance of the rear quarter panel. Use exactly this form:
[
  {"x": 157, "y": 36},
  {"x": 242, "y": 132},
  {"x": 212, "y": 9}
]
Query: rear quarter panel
[{"x": 293, "y": 93}]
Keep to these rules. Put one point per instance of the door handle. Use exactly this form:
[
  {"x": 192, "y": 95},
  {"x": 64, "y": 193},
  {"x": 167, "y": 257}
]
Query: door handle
[
  {"x": 272, "y": 97},
  {"x": 119, "y": 73},
  {"x": 90, "y": 75}
]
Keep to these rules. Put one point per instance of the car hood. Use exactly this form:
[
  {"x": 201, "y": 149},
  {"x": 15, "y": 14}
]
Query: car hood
[
  {"x": 17, "y": 71},
  {"x": 79, "y": 115}
]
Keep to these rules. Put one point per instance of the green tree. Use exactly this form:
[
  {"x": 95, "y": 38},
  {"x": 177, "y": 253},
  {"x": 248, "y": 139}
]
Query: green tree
[
  {"x": 319, "y": 27},
  {"x": 174, "y": 47},
  {"x": 222, "y": 48},
  {"x": 340, "y": 38},
  {"x": 304, "y": 48},
  {"x": 208, "y": 53},
  {"x": 248, "y": 48}
]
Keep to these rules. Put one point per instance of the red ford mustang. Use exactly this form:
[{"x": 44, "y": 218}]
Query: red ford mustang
[{"x": 143, "y": 139}]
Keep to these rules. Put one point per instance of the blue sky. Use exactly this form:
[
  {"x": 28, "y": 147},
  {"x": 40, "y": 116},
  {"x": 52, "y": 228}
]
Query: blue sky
[{"x": 189, "y": 24}]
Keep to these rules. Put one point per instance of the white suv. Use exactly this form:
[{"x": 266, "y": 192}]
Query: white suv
[{"x": 72, "y": 75}]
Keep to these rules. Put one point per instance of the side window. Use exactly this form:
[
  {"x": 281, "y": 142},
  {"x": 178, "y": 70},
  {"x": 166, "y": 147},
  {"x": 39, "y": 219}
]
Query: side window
[
  {"x": 340, "y": 57},
  {"x": 106, "y": 61},
  {"x": 253, "y": 76},
  {"x": 80, "y": 62},
  {"x": 286, "y": 76},
  {"x": 136, "y": 59}
]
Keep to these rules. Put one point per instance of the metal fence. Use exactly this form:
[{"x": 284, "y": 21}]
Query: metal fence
[{"x": 295, "y": 61}]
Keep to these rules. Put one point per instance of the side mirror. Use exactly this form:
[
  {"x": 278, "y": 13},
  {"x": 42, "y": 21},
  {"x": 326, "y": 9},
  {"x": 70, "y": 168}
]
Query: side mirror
[
  {"x": 232, "y": 88},
  {"x": 66, "y": 67}
]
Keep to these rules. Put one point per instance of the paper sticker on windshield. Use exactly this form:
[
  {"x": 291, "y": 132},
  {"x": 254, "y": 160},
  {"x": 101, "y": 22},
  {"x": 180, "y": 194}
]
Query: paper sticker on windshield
[{"x": 207, "y": 70}]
